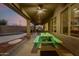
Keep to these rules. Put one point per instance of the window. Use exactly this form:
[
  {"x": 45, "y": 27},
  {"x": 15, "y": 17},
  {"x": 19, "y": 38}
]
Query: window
[
  {"x": 75, "y": 20},
  {"x": 64, "y": 22},
  {"x": 54, "y": 24}
]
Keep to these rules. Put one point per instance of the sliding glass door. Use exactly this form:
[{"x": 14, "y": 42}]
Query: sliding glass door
[{"x": 75, "y": 20}]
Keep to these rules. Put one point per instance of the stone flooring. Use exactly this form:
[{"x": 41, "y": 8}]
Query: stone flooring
[{"x": 26, "y": 48}]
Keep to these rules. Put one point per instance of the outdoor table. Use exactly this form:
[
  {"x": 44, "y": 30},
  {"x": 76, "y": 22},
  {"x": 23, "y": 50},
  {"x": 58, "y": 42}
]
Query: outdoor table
[{"x": 46, "y": 38}]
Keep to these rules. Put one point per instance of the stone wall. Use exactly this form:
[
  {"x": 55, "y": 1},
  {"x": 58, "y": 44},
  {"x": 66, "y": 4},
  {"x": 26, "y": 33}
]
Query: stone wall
[{"x": 12, "y": 29}]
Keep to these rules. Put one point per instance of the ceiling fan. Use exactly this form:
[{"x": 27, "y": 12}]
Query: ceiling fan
[{"x": 40, "y": 9}]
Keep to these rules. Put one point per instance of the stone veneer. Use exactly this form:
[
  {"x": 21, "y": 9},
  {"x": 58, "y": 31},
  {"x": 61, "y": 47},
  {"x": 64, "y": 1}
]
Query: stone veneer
[{"x": 12, "y": 29}]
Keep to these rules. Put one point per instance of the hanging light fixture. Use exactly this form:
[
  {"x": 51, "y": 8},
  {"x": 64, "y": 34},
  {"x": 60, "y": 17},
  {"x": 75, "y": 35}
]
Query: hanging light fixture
[
  {"x": 40, "y": 13},
  {"x": 41, "y": 10}
]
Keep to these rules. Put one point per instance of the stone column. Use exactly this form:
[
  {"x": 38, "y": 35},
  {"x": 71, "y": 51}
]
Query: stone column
[
  {"x": 43, "y": 27},
  {"x": 50, "y": 26},
  {"x": 28, "y": 29},
  {"x": 46, "y": 27}
]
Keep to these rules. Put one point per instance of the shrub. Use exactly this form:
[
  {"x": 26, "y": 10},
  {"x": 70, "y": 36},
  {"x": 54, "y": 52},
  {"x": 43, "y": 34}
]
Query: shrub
[{"x": 3, "y": 22}]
